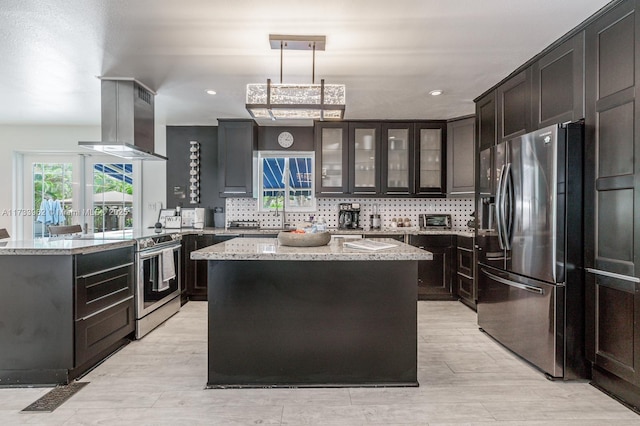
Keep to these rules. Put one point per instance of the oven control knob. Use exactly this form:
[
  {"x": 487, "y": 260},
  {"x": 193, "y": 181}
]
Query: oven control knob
[{"x": 146, "y": 243}]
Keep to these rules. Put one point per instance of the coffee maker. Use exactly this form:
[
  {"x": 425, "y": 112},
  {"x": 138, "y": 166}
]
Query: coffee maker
[{"x": 349, "y": 216}]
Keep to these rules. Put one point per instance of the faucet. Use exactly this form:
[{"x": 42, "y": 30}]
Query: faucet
[{"x": 285, "y": 225}]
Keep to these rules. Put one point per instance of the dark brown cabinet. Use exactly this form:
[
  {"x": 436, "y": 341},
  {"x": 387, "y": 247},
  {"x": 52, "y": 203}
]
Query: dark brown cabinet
[
  {"x": 514, "y": 106},
  {"x": 237, "y": 143},
  {"x": 364, "y": 158},
  {"x": 398, "y": 167},
  {"x": 557, "y": 94},
  {"x": 195, "y": 271},
  {"x": 381, "y": 158},
  {"x": 612, "y": 174},
  {"x": 465, "y": 275},
  {"x": 431, "y": 158},
  {"x": 62, "y": 314},
  {"x": 397, "y": 237},
  {"x": 104, "y": 303},
  {"x": 435, "y": 277},
  {"x": 197, "y": 280},
  {"x": 486, "y": 121},
  {"x": 461, "y": 157},
  {"x": 332, "y": 153}
]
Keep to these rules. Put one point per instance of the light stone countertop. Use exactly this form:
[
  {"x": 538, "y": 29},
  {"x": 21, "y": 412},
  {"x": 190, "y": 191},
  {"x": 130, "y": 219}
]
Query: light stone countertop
[
  {"x": 90, "y": 244},
  {"x": 270, "y": 249},
  {"x": 386, "y": 231},
  {"x": 59, "y": 246}
]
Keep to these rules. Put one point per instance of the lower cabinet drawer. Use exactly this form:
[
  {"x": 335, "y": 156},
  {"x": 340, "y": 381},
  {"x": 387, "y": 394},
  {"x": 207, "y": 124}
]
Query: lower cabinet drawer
[
  {"x": 465, "y": 287},
  {"x": 98, "y": 332},
  {"x": 99, "y": 290},
  {"x": 465, "y": 261}
]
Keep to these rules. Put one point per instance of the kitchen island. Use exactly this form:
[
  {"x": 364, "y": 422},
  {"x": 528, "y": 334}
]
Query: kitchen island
[{"x": 312, "y": 316}]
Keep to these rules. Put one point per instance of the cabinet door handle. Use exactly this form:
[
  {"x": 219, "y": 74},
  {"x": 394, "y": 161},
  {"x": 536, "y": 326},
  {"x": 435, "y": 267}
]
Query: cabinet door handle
[
  {"x": 613, "y": 275},
  {"x": 465, "y": 275}
]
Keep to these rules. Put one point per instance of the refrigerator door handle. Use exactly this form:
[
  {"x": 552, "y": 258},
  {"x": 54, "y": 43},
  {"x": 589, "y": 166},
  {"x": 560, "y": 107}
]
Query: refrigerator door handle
[
  {"x": 507, "y": 206},
  {"x": 499, "y": 208},
  {"x": 521, "y": 286}
]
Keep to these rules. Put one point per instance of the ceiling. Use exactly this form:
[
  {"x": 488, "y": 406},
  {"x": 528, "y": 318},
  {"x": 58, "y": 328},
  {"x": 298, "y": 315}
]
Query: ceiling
[{"x": 389, "y": 53}]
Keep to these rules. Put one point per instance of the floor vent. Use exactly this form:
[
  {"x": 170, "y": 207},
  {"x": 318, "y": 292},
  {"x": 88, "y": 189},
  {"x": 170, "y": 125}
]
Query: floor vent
[{"x": 55, "y": 397}]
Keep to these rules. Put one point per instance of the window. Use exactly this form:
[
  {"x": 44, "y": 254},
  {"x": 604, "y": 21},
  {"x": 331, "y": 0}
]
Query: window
[
  {"x": 73, "y": 189},
  {"x": 52, "y": 195},
  {"x": 286, "y": 181},
  {"x": 112, "y": 202}
]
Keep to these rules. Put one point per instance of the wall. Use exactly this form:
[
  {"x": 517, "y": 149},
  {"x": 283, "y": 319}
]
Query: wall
[
  {"x": 42, "y": 139},
  {"x": 178, "y": 145},
  {"x": 459, "y": 208}
]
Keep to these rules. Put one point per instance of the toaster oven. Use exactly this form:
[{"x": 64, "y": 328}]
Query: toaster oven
[{"x": 434, "y": 221}]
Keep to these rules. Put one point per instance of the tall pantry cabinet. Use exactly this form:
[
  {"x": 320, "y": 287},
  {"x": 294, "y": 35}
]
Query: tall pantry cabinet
[{"x": 612, "y": 180}]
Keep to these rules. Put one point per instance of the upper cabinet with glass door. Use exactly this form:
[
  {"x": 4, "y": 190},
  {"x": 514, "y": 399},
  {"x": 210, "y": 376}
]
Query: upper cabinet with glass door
[
  {"x": 397, "y": 149},
  {"x": 381, "y": 158},
  {"x": 364, "y": 158},
  {"x": 430, "y": 158},
  {"x": 331, "y": 142}
]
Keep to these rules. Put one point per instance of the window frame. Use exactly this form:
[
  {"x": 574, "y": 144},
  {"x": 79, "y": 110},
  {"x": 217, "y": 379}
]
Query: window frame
[{"x": 287, "y": 155}]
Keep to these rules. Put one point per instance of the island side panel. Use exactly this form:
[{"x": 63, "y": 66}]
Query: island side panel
[
  {"x": 36, "y": 319},
  {"x": 309, "y": 323}
]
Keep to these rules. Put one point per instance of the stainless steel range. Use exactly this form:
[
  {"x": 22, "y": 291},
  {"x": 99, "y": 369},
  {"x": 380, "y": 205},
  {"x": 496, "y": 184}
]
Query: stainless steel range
[{"x": 157, "y": 281}]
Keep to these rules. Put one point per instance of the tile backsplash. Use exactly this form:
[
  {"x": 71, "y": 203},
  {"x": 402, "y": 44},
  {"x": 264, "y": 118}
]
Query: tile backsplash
[{"x": 460, "y": 210}]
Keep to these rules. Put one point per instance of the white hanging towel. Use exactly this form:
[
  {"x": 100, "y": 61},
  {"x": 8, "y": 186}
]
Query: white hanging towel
[{"x": 167, "y": 269}]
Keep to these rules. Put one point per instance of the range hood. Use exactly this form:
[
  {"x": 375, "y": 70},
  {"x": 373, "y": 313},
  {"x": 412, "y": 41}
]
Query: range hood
[{"x": 127, "y": 120}]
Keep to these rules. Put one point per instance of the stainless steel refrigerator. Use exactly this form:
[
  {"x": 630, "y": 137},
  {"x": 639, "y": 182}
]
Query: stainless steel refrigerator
[{"x": 530, "y": 248}]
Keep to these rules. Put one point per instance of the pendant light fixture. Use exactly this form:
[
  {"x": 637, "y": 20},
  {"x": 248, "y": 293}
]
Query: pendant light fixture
[{"x": 296, "y": 101}]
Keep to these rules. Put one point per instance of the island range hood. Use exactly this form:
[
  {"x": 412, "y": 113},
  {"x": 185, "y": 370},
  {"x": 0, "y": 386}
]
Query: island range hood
[{"x": 127, "y": 120}]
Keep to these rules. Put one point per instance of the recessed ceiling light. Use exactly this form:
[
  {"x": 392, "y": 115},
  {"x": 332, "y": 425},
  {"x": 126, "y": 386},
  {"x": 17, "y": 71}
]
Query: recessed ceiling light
[
  {"x": 436, "y": 92},
  {"x": 211, "y": 92}
]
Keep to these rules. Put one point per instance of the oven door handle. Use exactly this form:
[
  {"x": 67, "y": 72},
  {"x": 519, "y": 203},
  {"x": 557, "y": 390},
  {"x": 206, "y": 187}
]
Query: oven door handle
[{"x": 147, "y": 254}]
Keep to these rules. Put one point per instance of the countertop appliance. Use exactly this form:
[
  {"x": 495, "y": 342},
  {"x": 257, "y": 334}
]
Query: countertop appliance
[
  {"x": 349, "y": 216},
  {"x": 244, "y": 224},
  {"x": 530, "y": 251},
  {"x": 434, "y": 221},
  {"x": 196, "y": 218}
]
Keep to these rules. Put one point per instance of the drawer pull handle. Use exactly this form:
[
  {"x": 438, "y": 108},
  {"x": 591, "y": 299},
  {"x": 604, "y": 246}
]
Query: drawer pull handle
[{"x": 105, "y": 308}]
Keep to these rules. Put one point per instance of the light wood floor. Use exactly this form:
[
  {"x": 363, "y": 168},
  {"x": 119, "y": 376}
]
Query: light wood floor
[{"x": 465, "y": 379}]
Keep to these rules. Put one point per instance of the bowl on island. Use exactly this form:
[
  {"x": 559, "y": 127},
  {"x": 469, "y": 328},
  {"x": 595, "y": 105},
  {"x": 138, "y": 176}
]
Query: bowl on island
[{"x": 293, "y": 239}]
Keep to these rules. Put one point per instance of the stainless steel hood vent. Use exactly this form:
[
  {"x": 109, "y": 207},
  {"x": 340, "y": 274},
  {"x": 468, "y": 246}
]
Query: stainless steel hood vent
[{"x": 127, "y": 121}]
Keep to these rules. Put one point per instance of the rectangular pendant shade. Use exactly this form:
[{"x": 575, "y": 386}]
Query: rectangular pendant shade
[{"x": 296, "y": 101}]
